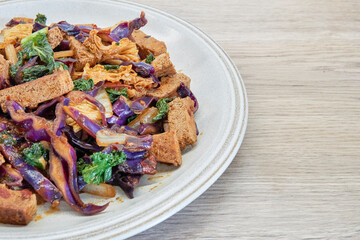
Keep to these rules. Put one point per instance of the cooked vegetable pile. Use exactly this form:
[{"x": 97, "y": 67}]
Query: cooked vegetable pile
[{"x": 85, "y": 109}]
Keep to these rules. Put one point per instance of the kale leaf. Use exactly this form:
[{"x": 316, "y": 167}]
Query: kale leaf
[
  {"x": 83, "y": 84},
  {"x": 58, "y": 64},
  {"x": 114, "y": 94},
  {"x": 149, "y": 58},
  {"x": 36, "y": 155},
  {"x": 163, "y": 107},
  {"x": 35, "y": 72},
  {"x": 7, "y": 139},
  {"x": 16, "y": 66},
  {"x": 100, "y": 170},
  {"x": 109, "y": 67},
  {"x": 41, "y": 19},
  {"x": 37, "y": 44}
]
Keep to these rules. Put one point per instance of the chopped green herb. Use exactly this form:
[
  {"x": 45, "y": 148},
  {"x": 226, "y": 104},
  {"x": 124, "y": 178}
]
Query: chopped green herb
[
  {"x": 100, "y": 170},
  {"x": 108, "y": 67},
  {"x": 129, "y": 119},
  {"x": 117, "y": 43},
  {"x": 163, "y": 107},
  {"x": 114, "y": 94},
  {"x": 149, "y": 58},
  {"x": 41, "y": 18},
  {"x": 36, "y": 155},
  {"x": 6, "y": 138},
  {"x": 83, "y": 84}
]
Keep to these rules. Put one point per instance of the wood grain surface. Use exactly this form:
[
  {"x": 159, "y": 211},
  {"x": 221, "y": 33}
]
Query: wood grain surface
[{"x": 297, "y": 174}]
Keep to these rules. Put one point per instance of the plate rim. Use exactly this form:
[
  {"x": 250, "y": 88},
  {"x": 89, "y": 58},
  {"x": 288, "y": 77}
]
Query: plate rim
[{"x": 182, "y": 201}]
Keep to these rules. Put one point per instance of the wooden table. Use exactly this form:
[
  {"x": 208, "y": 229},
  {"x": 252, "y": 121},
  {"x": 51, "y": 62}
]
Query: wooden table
[{"x": 297, "y": 174}]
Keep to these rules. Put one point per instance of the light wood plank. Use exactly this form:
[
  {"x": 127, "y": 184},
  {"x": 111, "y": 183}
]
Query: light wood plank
[{"x": 297, "y": 173}]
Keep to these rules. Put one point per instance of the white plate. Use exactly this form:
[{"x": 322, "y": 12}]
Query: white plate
[{"x": 221, "y": 119}]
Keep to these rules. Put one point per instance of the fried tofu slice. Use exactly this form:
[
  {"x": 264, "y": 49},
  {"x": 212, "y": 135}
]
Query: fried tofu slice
[
  {"x": 82, "y": 54},
  {"x": 169, "y": 85},
  {"x": 32, "y": 93},
  {"x": 54, "y": 37},
  {"x": 16, "y": 207},
  {"x": 166, "y": 148},
  {"x": 22, "y": 20},
  {"x": 181, "y": 120},
  {"x": 4, "y": 68},
  {"x": 148, "y": 44},
  {"x": 163, "y": 66}
]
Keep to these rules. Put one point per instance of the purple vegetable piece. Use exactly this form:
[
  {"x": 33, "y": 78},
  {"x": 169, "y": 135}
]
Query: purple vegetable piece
[
  {"x": 41, "y": 184},
  {"x": 149, "y": 128},
  {"x": 13, "y": 23},
  {"x": 68, "y": 28},
  {"x": 35, "y": 132},
  {"x": 156, "y": 81},
  {"x": 18, "y": 79},
  {"x": 137, "y": 23},
  {"x": 41, "y": 110},
  {"x": 122, "y": 110},
  {"x": 37, "y": 26},
  {"x": 184, "y": 92},
  {"x": 81, "y": 36},
  {"x": 144, "y": 165},
  {"x": 64, "y": 45},
  {"x": 127, "y": 183},
  {"x": 79, "y": 143},
  {"x": 120, "y": 31},
  {"x": 85, "y": 123},
  {"x": 125, "y": 29},
  {"x": 58, "y": 173},
  {"x": 59, "y": 122},
  {"x": 143, "y": 69},
  {"x": 140, "y": 104},
  {"x": 2, "y": 127},
  {"x": 63, "y": 168},
  {"x": 125, "y": 129},
  {"x": 4, "y": 82},
  {"x": 93, "y": 92},
  {"x": 134, "y": 155},
  {"x": 10, "y": 176},
  {"x": 67, "y": 61},
  {"x": 79, "y": 96},
  {"x": 80, "y": 32}
]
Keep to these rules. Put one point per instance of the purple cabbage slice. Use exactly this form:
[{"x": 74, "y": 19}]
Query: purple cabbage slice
[
  {"x": 58, "y": 173},
  {"x": 64, "y": 174},
  {"x": 4, "y": 82},
  {"x": 37, "y": 26},
  {"x": 72, "y": 138},
  {"x": 122, "y": 110},
  {"x": 140, "y": 104},
  {"x": 184, "y": 92},
  {"x": 150, "y": 128},
  {"x": 127, "y": 183},
  {"x": 18, "y": 79},
  {"x": 10, "y": 176},
  {"x": 41, "y": 184},
  {"x": 85, "y": 123},
  {"x": 36, "y": 127},
  {"x": 125, "y": 29}
]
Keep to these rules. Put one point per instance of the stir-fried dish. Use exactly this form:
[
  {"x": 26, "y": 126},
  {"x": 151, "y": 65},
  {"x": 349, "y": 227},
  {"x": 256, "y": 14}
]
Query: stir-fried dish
[{"x": 85, "y": 109}]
